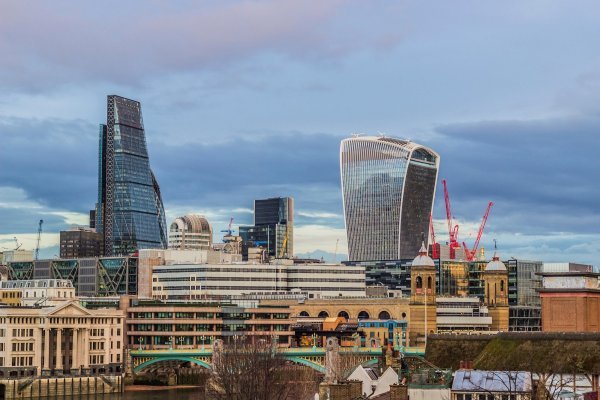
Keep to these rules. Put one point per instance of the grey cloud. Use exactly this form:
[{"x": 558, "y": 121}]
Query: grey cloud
[
  {"x": 540, "y": 174},
  {"x": 55, "y": 43}
]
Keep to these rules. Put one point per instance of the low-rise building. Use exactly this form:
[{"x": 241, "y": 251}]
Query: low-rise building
[
  {"x": 570, "y": 301},
  {"x": 39, "y": 292},
  {"x": 491, "y": 385},
  {"x": 63, "y": 339},
  {"x": 171, "y": 325}
]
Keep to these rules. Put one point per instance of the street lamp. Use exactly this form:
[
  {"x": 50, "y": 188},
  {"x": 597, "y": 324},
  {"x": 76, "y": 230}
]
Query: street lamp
[
  {"x": 140, "y": 341},
  {"x": 202, "y": 338},
  {"x": 180, "y": 340}
]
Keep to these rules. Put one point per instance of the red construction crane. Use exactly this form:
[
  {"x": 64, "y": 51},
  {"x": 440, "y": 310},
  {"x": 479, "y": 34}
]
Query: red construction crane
[
  {"x": 452, "y": 229},
  {"x": 470, "y": 254},
  {"x": 434, "y": 247}
]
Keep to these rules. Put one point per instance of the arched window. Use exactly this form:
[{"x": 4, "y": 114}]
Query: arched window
[
  {"x": 323, "y": 314},
  {"x": 344, "y": 314},
  {"x": 304, "y": 314},
  {"x": 429, "y": 285},
  {"x": 363, "y": 315},
  {"x": 419, "y": 283},
  {"x": 502, "y": 286},
  {"x": 384, "y": 315}
]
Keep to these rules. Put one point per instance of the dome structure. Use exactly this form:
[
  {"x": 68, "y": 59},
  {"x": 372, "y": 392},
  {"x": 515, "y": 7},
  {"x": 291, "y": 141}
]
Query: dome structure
[
  {"x": 495, "y": 265},
  {"x": 423, "y": 260},
  {"x": 190, "y": 232}
]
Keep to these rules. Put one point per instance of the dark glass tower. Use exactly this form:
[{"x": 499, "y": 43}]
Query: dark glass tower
[
  {"x": 130, "y": 213},
  {"x": 273, "y": 227},
  {"x": 388, "y": 186}
]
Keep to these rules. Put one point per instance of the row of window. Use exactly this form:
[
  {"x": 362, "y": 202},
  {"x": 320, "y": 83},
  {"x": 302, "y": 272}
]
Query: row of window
[{"x": 22, "y": 347}]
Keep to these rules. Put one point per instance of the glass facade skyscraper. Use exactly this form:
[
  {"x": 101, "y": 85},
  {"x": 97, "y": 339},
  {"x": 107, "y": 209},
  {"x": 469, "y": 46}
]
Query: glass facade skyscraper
[
  {"x": 388, "y": 187},
  {"x": 130, "y": 213},
  {"x": 273, "y": 227}
]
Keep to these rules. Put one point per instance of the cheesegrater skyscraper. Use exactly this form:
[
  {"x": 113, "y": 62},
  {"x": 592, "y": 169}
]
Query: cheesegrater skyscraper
[{"x": 129, "y": 213}]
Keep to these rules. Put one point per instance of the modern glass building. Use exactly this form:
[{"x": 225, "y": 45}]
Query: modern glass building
[
  {"x": 129, "y": 212},
  {"x": 273, "y": 227},
  {"x": 388, "y": 187}
]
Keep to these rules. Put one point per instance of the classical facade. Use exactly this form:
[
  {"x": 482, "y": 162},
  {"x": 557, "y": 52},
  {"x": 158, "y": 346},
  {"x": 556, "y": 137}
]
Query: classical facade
[
  {"x": 40, "y": 292},
  {"x": 388, "y": 188},
  {"x": 64, "y": 339}
]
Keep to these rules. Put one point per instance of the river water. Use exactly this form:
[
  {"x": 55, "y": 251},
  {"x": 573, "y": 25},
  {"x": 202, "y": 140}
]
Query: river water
[{"x": 152, "y": 394}]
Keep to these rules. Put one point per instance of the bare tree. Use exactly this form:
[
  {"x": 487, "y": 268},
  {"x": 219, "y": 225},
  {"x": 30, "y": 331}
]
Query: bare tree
[{"x": 253, "y": 370}]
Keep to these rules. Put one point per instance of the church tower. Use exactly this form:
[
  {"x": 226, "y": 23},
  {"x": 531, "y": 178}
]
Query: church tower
[
  {"x": 495, "y": 278},
  {"x": 422, "y": 299}
]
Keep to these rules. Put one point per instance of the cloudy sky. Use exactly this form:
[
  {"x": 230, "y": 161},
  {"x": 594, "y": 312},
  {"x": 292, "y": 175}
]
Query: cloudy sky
[{"x": 249, "y": 99}]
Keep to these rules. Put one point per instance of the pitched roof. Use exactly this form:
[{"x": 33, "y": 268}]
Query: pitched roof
[{"x": 491, "y": 381}]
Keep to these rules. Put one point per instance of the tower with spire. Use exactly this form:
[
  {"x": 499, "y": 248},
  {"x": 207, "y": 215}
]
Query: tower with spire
[
  {"x": 422, "y": 298},
  {"x": 495, "y": 278}
]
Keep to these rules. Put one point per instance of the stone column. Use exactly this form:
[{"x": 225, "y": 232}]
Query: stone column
[
  {"x": 59, "y": 361},
  {"x": 37, "y": 358},
  {"x": 75, "y": 351},
  {"x": 107, "y": 352},
  {"x": 86, "y": 348},
  {"x": 46, "y": 366}
]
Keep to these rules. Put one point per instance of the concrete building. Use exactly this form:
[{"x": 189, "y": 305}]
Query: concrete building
[
  {"x": 189, "y": 281},
  {"x": 80, "y": 243},
  {"x": 178, "y": 325},
  {"x": 16, "y": 256},
  {"x": 388, "y": 188},
  {"x": 190, "y": 232},
  {"x": 64, "y": 339},
  {"x": 40, "y": 292},
  {"x": 570, "y": 302}
]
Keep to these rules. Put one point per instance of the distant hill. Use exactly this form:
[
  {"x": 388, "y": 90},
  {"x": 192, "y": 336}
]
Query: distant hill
[{"x": 327, "y": 256}]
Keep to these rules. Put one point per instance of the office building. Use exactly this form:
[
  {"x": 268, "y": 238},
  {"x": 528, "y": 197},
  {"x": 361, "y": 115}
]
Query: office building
[
  {"x": 129, "y": 212},
  {"x": 388, "y": 188},
  {"x": 80, "y": 243},
  {"x": 180, "y": 325},
  {"x": 190, "y": 232},
  {"x": 61, "y": 340},
  {"x": 105, "y": 276},
  {"x": 195, "y": 281},
  {"x": 273, "y": 228}
]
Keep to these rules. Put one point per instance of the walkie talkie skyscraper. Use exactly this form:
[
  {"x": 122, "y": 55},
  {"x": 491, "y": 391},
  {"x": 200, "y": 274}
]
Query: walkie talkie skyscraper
[
  {"x": 388, "y": 187},
  {"x": 129, "y": 213}
]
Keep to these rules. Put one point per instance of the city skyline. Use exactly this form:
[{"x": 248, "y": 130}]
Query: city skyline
[{"x": 512, "y": 112}]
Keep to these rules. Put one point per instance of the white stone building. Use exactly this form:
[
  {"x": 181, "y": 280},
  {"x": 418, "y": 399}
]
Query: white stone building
[{"x": 64, "y": 339}]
